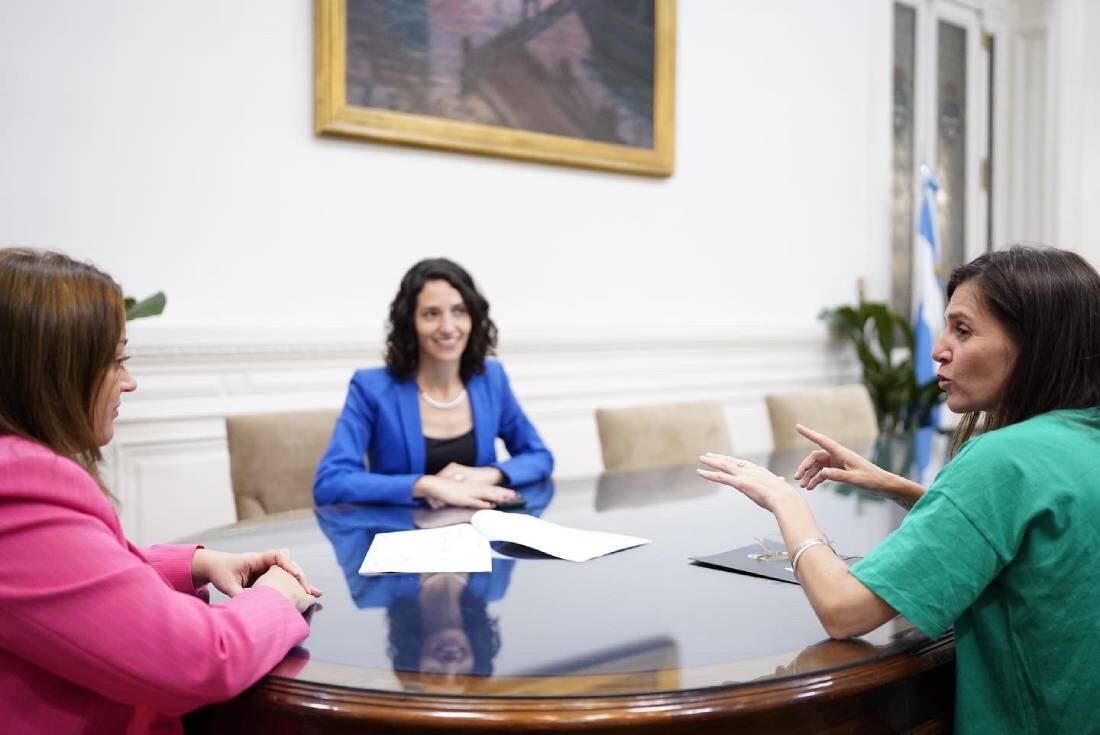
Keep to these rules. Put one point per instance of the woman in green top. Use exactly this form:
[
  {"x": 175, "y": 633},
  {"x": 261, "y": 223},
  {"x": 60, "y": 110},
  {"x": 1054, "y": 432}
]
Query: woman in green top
[{"x": 999, "y": 544}]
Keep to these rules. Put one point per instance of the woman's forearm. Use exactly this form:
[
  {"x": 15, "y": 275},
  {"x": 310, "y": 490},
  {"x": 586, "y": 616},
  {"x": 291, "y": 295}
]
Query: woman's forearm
[
  {"x": 842, "y": 603},
  {"x": 903, "y": 491},
  {"x": 796, "y": 522}
]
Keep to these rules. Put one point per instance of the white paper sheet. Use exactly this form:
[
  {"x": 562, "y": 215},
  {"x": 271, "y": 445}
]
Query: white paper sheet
[
  {"x": 572, "y": 544},
  {"x": 457, "y": 548},
  {"x": 465, "y": 547}
]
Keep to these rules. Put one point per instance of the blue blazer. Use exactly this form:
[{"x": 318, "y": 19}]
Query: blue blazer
[{"x": 381, "y": 421}]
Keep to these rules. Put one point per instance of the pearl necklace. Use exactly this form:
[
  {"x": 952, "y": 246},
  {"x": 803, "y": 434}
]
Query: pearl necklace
[{"x": 444, "y": 405}]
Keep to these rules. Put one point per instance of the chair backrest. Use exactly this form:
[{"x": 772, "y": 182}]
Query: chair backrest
[
  {"x": 645, "y": 437},
  {"x": 273, "y": 458},
  {"x": 844, "y": 412}
]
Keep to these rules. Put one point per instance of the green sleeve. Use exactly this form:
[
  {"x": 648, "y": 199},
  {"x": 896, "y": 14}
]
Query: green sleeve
[{"x": 933, "y": 567}]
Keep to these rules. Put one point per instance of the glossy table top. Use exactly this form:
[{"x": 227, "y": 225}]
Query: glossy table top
[{"x": 643, "y": 620}]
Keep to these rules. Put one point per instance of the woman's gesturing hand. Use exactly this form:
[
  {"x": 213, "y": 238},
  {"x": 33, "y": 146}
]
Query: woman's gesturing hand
[
  {"x": 840, "y": 464},
  {"x": 232, "y": 573},
  {"x": 834, "y": 462},
  {"x": 758, "y": 484}
]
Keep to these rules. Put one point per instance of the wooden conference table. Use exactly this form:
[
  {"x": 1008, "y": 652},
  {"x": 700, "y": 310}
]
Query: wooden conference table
[{"x": 638, "y": 641}]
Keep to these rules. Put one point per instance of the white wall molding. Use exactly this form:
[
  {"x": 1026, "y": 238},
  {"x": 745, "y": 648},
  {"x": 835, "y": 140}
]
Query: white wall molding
[{"x": 169, "y": 465}]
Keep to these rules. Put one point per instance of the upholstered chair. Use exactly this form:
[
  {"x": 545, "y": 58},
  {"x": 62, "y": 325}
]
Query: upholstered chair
[
  {"x": 273, "y": 457},
  {"x": 843, "y": 412},
  {"x": 645, "y": 437}
]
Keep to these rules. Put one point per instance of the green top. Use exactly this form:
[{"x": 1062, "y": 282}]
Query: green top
[{"x": 1004, "y": 545}]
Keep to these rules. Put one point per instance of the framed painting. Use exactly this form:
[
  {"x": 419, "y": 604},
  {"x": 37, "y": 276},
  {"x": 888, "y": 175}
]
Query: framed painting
[{"x": 574, "y": 82}]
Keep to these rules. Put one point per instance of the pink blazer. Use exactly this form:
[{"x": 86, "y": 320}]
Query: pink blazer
[{"x": 99, "y": 636}]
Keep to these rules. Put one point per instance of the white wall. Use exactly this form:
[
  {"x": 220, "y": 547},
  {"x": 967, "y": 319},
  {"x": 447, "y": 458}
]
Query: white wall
[
  {"x": 172, "y": 143},
  {"x": 1089, "y": 238},
  {"x": 1074, "y": 121},
  {"x": 1022, "y": 140}
]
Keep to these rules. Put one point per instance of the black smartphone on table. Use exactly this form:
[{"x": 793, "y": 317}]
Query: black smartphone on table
[{"x": 518, "y": 503}]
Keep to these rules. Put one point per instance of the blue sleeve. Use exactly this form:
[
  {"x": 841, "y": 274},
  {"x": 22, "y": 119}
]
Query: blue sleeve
[
  {"x": 342, "y": 475},
  {"x": 530, "y": 460}
]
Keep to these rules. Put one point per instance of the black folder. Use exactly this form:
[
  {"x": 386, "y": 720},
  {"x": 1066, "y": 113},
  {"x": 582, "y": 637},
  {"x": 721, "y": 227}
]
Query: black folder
[{"x": 744, "y": 560}]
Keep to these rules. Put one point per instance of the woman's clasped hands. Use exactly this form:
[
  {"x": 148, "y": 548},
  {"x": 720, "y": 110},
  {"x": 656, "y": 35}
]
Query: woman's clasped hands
[
  {"x": 465, "y": 487},
  {"x": 232, "y": 573}
]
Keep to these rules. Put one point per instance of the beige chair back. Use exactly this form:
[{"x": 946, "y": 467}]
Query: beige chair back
[
  {"x": 273, "y": 458},
  {"x": 843, "y": 412},
  {"x": 645, "y": 437}
]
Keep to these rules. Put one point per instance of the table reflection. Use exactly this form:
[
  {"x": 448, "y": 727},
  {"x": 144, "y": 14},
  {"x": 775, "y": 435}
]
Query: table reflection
[
  {"x": 636, "y": 641},
  {"x": 654, "y": 487},
  {"x": 437, "y": 623},
  {"x": 831, "y": 654},
  {"x": 537, "y": 624}
]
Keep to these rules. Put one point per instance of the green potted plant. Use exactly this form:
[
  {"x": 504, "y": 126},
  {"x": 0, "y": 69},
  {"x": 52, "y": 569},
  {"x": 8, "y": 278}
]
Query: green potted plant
[{"x": 875, "y": 330}]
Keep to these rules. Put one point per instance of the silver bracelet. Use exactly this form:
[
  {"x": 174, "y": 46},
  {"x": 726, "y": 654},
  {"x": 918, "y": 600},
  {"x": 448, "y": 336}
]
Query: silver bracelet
[{"x": 802, "y": 548}]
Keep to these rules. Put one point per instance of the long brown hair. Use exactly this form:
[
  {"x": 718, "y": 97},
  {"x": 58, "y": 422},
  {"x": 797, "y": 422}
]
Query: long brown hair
[
  {"x": 60, "y": 325},
  {"x": 1049, "y": 302}
]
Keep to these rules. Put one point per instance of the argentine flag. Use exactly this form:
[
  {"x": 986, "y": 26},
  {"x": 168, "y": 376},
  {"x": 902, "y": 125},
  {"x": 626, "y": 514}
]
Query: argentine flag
[{"x": 928, "y": 303}]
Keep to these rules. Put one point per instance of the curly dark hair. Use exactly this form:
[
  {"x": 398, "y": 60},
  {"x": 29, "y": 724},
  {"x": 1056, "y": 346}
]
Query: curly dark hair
[
  {"x": 402, "y": 346},
  {"x": 406, "y": 636}
]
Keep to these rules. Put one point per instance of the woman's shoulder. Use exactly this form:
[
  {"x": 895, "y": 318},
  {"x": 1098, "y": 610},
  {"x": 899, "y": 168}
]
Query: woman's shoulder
[
  {"x": 375, "y": 379},
  {"x": 17, "y": 453},
  {"x": 28, "y": 467},
  {"x": 1050, "y": 444},
  {"x": 1054, "y": 429},
  {"x": 371, "y": 374},
  {"x": 491, "y": 378},
  {"x": 1038, "y": 468},
  {"x": 494, "y": 370}
]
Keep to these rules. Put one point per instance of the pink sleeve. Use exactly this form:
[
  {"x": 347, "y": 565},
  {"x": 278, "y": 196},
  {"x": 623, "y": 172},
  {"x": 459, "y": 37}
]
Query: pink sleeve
[
  {"x": 75, "y": 601},
  {"x": 173, "y": 561}
]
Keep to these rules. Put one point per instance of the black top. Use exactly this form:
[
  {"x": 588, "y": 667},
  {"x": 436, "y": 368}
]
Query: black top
[{"x": 441, "y": 452}]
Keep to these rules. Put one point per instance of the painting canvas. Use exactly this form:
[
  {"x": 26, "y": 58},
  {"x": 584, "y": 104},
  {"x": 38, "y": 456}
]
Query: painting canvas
[{"x": 579, "y": 82}]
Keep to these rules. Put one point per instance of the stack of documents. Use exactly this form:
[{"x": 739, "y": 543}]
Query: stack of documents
[{"x": 465, "y": 547}]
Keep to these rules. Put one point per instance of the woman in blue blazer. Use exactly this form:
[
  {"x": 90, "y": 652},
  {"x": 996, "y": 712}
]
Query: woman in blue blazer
[{"x": 427, "y": 423}]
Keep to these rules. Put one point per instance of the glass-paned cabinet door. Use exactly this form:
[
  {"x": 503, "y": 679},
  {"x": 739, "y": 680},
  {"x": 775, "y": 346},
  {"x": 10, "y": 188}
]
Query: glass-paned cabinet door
[
  {"x": 951, "y": 139},
  {"x": 904, "y": 167},
  {"x": 941, "y": 107}
]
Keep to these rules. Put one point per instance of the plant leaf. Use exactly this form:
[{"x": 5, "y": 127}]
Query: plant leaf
[
  {"x": 874, "y": 329},
  {"x": 151, "y": 306}
]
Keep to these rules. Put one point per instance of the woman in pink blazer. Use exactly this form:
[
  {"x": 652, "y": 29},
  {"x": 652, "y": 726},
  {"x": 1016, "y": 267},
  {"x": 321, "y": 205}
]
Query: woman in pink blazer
[{"x": 98, "y": 635}]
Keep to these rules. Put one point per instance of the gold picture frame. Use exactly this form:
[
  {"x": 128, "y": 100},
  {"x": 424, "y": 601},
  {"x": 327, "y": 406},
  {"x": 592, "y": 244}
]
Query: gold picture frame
[{"x": 491, "y": 103}]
